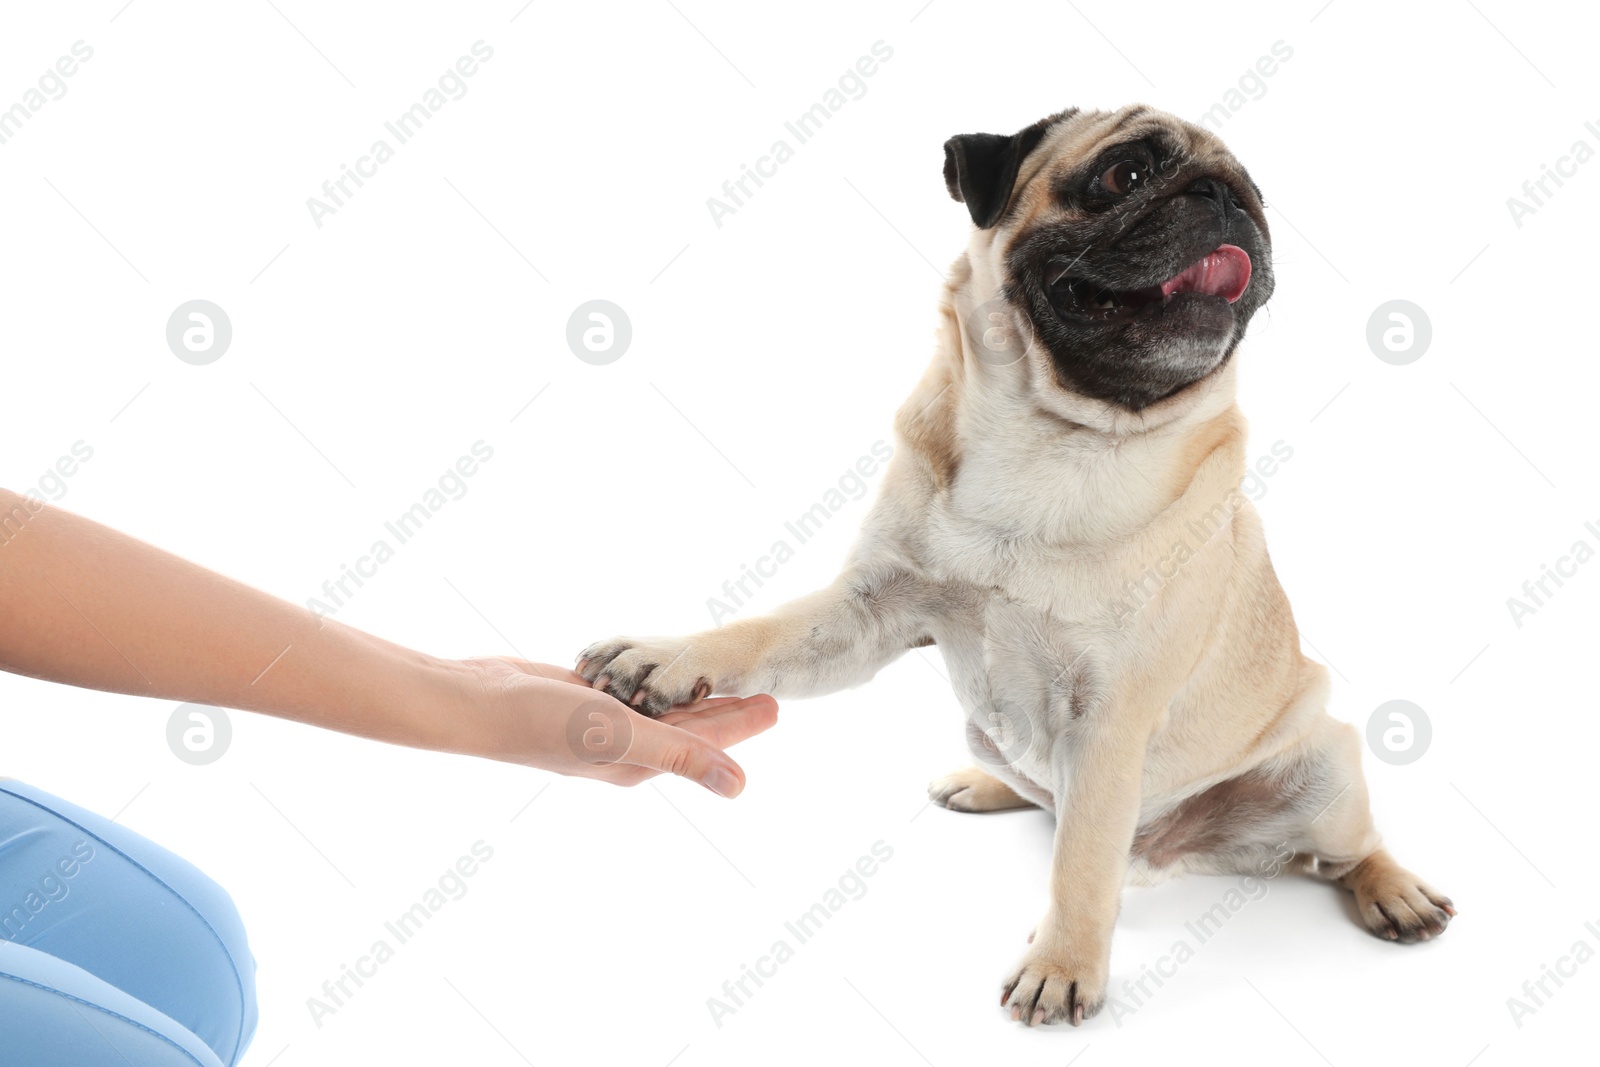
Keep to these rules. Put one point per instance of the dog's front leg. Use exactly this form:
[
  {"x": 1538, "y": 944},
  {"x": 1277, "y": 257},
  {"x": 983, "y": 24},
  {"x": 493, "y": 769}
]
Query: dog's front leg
[
  {"x": 1099, "y": 765},
  {"x": 836, "y": 637}
]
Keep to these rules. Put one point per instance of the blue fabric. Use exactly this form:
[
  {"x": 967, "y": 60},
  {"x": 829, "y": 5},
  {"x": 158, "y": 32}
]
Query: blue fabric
[{"x": 113, "y": 951}]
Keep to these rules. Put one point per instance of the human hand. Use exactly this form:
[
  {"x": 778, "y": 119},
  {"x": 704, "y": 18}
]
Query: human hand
[{"x": 556, "y": 722}]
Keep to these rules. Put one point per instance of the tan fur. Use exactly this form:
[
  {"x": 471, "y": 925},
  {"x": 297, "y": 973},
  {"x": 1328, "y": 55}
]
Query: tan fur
[
  {"x": 1188, "y": 734},
  {"x": 973, "y": 789},
  {"x": 925, "y": 425}
]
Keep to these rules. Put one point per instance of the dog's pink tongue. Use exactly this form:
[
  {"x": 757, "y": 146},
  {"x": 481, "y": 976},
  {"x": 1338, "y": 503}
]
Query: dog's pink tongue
[{"x": 1224, "y": 273}]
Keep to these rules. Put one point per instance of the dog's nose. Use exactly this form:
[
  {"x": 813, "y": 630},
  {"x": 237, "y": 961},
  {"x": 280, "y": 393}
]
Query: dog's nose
[
  {"x": 1219, "y": 194},
  {"x": 1216, "y": 190}
]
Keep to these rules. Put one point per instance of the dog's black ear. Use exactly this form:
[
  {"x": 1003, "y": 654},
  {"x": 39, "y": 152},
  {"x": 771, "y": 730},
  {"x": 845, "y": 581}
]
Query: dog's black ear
[{"x": 981, "y": 168}]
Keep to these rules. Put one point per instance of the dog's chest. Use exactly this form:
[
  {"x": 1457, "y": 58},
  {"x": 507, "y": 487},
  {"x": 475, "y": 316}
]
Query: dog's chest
[
  {"x": 1024, "y": 657},
  {"x": 1037, "y": 628}
]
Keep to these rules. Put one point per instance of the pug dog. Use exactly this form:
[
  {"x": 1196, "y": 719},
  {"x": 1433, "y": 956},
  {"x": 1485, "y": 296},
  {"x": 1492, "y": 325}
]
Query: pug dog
[{"x": 1063, "y": 519}]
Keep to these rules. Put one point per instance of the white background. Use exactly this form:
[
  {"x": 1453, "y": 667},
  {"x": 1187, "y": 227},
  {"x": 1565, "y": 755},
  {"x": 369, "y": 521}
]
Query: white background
[{"x": 768, "y": 355}]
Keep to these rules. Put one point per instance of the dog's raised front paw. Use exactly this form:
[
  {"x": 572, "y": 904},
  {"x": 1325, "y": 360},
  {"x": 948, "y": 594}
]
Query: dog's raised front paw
[
  {"x": 651, "y": 674},
  {"x": 1054, "y": 987}
]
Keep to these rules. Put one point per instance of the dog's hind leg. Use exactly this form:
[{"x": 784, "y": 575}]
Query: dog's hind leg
[
  {"x": 1344, "y": 848},
  {"x": 1305, "y": 811}
]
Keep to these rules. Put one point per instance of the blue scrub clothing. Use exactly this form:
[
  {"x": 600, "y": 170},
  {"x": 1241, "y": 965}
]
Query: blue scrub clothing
[{"x": 113, "y": 951}]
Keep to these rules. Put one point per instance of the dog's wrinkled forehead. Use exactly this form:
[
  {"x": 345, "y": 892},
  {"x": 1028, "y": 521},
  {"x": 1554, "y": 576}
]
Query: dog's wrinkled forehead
[{"x": 1072, "y": 143}]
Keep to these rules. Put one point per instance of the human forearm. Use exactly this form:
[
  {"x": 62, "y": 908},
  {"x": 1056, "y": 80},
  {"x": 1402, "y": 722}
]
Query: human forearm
[{"x": 86, "y": 605}]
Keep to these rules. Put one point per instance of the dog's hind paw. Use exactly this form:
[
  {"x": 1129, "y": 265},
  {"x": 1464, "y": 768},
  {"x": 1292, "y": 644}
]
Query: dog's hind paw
[
  {"x": 973, "y": 789},
  {"x": 1395, "y": 904}
]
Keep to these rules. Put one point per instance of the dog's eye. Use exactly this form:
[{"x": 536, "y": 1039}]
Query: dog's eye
[{"x": 1123, "y": 178}]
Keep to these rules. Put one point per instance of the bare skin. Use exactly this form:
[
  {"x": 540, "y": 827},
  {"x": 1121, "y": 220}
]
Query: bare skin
[{"x": 91, "y": 607}]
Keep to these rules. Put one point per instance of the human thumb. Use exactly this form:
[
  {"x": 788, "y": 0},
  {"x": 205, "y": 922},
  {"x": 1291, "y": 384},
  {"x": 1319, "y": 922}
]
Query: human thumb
[{"x": 667, "y": 748}]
